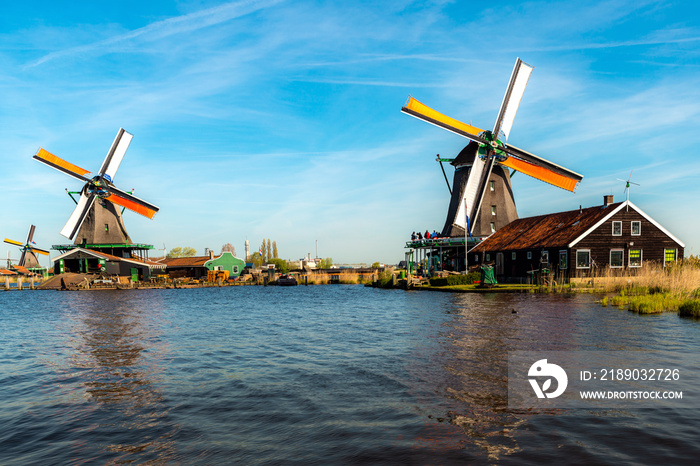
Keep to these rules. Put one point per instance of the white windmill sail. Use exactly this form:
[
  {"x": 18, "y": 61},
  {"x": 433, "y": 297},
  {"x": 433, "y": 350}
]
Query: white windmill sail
[
  {"x": 511, "y": 100},
  {"x": 471, "y": 189}
]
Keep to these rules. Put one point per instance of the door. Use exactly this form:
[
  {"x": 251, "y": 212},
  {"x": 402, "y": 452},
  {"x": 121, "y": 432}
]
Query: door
[
  {"x": 134, "y": 274},
  {"x": 499, "y": 263}
]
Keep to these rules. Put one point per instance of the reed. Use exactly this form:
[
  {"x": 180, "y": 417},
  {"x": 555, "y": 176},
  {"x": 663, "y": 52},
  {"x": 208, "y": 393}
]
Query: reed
[{"x": 655, "y": 288}]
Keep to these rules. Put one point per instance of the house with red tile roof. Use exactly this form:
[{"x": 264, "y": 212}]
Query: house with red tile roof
[{"x": 616, "y": 236}]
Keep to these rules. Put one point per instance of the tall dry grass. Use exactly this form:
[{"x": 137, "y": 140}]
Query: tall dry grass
[
  {"x": 347, "y": 278},
  {"x": 653, "y": 288}
]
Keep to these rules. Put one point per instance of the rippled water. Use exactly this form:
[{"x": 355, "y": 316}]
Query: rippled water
[{"x": 324, "y": 374}]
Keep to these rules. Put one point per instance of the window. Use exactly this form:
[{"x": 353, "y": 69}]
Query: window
[
  {"x": 583, "y": 259},
  {"x": 635, "y": 257},
  {"x": 492, "y": 185},
  {"x": 493, "y": 227},
  {"x": 493, "y": 210},
  {"x": 488, "y": 257},
  {"x": 529, "y": 254},
  {"x": 107, "y": 227},
  {"x": 617, "y": 258},
  {"x": 235, "y": 269},
  {"x": 512, "y": 255},
  {"x": 563, "y": 262},
  {"x": 669, "y": 255},
  {"x": 476, "y": 258},
  {"x": 545, "y": 257},
  {"x": 617, "y": 229},
  {"x": 636, "y": 228}
]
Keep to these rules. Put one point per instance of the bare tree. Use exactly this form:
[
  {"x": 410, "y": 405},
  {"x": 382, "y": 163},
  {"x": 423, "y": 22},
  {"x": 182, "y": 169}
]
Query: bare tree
[{"x": 228, "y": 247}]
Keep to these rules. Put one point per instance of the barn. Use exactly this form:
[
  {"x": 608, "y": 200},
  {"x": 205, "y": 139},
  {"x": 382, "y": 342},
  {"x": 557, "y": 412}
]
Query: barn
[{"x": 615, "y": 236}]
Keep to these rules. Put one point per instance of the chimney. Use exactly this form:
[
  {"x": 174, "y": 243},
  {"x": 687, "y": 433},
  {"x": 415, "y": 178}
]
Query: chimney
[
  {"x": 607, "y": 200},
  {"x": 211, "y": 254}
]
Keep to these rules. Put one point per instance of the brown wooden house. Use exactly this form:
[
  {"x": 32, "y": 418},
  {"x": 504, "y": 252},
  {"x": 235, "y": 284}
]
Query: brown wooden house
[{"x": 617, "y": 236}]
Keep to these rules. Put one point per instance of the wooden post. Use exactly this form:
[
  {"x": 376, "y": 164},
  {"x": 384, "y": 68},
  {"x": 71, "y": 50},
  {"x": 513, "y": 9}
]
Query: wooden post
[{"x": 19, "y": 283}]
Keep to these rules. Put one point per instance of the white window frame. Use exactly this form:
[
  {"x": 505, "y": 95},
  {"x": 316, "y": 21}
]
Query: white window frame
[
  {"x": 544, "y": 255},
  {"x": 629, "y": 258},
  {"x": 529, "y": 254},
  {"x": 616, "y": 222},
  {"x": 564, "y": 253},
  {"x": 587, "y": 251},
  {"x": 235, "y": 269},
  {"x": 622, "y": 256},
  {"x": 675, "y": 255},
  {"x": 639, "y": 232}
]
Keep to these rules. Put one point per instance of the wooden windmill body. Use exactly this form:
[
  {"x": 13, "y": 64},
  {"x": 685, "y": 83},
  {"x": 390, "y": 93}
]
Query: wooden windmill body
[{"x": 499, "y": 200}]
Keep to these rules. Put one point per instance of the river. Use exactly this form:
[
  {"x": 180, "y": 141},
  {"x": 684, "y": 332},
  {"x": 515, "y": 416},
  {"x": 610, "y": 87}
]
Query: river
[{"x": 315, "y": 375}]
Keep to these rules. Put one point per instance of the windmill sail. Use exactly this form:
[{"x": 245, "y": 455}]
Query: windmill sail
[
  {"x": 511, "y": 100},
  {"x": 61, "y": 165},
  {"x": 469, "y": 194},
  {"x": 78, "y": 216},
  {"x": 421, "y": 111},
  {"x": 116, "y": 154}
]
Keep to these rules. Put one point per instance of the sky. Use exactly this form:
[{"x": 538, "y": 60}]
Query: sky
[{"x": 281, "y": 119}]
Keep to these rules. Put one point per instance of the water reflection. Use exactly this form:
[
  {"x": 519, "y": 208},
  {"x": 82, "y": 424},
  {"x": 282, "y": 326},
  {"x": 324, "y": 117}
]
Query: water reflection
[{"x": 118, "y": 352}]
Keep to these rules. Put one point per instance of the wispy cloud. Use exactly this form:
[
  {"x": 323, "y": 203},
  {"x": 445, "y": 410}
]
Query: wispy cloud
[{"x": 165, "y": 28}]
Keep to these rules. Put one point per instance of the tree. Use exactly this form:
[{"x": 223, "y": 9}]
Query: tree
[
  {"x": 326, "y": 263},
  {"x": 256, "y": 259},
  {"x": 228, "y": 247},
  {"x": 274, "y": 250},
  {"x": 269, "y": 250},
  {"x": 376, "y": 265},
  {"x": 280, "y": 264},
  {"x": 181, "y": 252},
  {"x": 263, "y": 251}
]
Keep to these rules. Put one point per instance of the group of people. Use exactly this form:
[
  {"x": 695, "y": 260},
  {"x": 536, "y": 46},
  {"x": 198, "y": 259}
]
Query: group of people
[{"x": 427, "y": 235}]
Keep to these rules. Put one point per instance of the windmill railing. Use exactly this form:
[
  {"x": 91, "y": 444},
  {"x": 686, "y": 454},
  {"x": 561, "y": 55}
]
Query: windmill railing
[{"x": 438, "y": 242}]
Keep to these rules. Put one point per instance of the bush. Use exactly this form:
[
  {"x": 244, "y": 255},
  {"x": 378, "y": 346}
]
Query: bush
[
  {"x": 452, "y": 280},
  {"x": 690, "y": 308},
  {"x": 385, "y": 279}
]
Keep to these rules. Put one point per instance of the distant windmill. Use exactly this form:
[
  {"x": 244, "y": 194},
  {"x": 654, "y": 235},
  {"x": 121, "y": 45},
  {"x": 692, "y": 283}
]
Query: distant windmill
[
  {"x": 28, "y": 258},
  {"x": 486, "y": 154},
  {"x": 99, "y": 222}
]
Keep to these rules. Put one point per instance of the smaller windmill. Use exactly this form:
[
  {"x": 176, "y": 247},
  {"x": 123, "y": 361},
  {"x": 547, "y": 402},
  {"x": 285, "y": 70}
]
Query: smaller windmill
[
  {"x": 28, "y": 258},
  {"x": 627, "y": 187},
  {"x": 87, "y": 214}
]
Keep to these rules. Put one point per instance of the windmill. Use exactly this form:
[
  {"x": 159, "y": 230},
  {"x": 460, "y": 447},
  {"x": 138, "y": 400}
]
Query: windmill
[
  {"x": 627, "y": 185},
  {"x": 487, "y": 154},
  {"x": 99, "y": 222},
  {"x": 28, "y": 258}
]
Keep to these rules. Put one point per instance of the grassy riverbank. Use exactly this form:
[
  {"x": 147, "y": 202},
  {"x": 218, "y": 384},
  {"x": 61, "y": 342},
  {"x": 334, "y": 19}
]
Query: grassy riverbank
[{"x": 651, "y": 290}]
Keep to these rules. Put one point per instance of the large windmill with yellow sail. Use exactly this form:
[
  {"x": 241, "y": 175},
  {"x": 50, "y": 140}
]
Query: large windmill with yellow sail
[{"x": 482, "y": 197}]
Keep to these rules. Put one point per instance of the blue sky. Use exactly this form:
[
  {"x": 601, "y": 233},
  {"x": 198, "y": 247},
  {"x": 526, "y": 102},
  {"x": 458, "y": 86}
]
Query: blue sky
[{"x": 281, "y": 119}]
